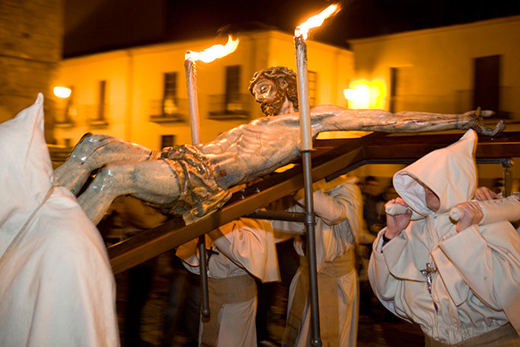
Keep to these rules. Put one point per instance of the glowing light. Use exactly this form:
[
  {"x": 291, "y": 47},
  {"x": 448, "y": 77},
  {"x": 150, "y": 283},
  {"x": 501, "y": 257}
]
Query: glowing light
[
  {"x": 316, "y": 21},
  {"x": 214, "y": 52},
  {"x": 359, "y": 95},
  {"x": 366, "y": 94},
  {"x": 62, "y": 92}
]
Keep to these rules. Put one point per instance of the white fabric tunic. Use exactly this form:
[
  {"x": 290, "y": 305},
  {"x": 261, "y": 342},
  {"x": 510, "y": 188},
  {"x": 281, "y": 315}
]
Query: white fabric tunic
[
  {"x": 56, "y": 285},
  {"x": 339, "y": 213},
  {"x": 475, "y": 287},
  {"x": 245, "y": 247}
]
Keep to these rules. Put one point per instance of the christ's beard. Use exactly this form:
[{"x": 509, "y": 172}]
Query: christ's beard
[{"x": 273, "y": 107}]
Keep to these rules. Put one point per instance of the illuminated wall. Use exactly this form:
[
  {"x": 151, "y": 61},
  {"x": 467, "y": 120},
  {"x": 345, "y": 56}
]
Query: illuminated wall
[
  {"x": 436, "y": 66},
  {"x": 134, "y": 82}
]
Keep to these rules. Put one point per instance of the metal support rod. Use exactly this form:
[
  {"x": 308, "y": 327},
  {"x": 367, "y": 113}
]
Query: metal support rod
[
  {"x": 204, "y": 277},
  {"x": 311, "y": 250},
  {"x": 275, "y": 215},
  {"x": 507, "y": 163}
]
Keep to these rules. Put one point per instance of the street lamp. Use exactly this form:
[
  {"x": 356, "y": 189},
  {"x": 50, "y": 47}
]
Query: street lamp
[{"x": 64, "y": 104}]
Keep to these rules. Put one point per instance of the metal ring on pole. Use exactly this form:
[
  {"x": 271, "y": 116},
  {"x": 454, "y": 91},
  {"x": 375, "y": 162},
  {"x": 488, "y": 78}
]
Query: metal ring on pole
[{"x": 507, "y": 163}]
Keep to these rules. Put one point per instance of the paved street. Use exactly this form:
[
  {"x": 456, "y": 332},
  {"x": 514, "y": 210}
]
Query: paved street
[{"x": 378, "y": 329}]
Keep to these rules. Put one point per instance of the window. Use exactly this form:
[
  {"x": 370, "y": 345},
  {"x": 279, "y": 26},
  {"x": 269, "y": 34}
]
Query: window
[
  {"x": 97, "y": 112},
  {"x": 393, "y": 88},
  {"x": 400, "y": 86},
  {"x": 169, "y": 102},
  {"x": 232, "y": 96},
  {"x": 169, "y": 107},
  {"x": 70, "y": 109},
  {"x": 102, "y": 90},
  {"x": 167, "y": 141},
  {"x": 312, "y": 81},
  {"x": 231, "y": 104},
  {"x": 486, "y": 90}
]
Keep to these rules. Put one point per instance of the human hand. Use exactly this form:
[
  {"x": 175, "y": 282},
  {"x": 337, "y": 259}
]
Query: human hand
[
  {"x": 472, "y": 214},
  {"x": 476, "y": 122},
  {"x": 484, "y": 193},
  {"x": 397, "y": 222}
]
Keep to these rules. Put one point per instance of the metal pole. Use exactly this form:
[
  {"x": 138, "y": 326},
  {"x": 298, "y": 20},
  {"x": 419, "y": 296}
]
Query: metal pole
[
  {"x": 311, "y": 250},
  {"x": 306, "y": 150},
  {"x": 191, "y": 81}
]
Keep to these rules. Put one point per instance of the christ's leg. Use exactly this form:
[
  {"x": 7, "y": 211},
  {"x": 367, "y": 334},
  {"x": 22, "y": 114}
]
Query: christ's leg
[
  {"x": 152, "y": 181},
  {"x": 94, "y": 151}
]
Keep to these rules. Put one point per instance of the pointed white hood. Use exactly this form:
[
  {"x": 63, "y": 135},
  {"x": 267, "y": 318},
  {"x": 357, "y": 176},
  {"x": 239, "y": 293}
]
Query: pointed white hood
[
  {"x": 56, "y": 286},
  {"x": 26, "y": 177},
  {"x": 449, "y": 172}
]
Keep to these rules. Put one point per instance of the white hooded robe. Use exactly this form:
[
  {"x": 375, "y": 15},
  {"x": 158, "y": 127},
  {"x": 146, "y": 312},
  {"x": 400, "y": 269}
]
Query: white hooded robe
[
  {"x": 246, "y": 247},
  {"x": 56, "y": 285},
  {"x": 339, "y": 215},
  {"x": 476, "y": 286}
]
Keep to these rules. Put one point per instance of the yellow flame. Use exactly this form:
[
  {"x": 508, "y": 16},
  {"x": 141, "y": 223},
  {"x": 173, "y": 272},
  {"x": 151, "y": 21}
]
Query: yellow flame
[
  {"x": 214, "y": 52},
  {"x": 316, "y": 20}
]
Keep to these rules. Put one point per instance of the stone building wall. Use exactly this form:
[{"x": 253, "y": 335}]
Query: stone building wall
[{"x": 31, "y": 34}]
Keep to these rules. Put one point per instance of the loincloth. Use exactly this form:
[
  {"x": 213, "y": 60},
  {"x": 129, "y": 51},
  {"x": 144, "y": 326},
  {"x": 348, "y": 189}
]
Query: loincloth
[{"x": 199, "y": 194}]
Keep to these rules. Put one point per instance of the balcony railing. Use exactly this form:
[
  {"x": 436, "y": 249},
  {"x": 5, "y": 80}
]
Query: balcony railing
[
  {"x": 222, "y": 107},
  {"x": 459, "y": 101},
  {"x": 168, "y": 110},
  {"x": 505, "y": 109},
  {"x": 97, "y": 115},
  {"x": 425, "y": 103},
  {"x": 65, "y": 117}
]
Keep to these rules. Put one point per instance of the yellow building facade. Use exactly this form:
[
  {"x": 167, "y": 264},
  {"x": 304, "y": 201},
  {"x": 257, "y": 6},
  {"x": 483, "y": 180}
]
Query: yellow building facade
[
  {"x": 451, "y": 69},
  {"x": 140, "y": 94}
]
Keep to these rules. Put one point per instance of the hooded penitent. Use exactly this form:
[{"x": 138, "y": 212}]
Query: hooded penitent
[
  {"x": 474, "y": 274},
  {"x": 56, "y": 287},
  {"x": 450, "y": 173}
]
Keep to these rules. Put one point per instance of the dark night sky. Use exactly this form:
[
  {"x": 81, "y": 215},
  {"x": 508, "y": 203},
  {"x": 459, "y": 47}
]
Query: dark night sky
[{"x": 99, "y": 25}]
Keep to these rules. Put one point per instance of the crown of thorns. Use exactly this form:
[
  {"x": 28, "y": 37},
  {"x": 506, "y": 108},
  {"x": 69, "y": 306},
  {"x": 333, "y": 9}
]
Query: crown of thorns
[{"x": 273, "y": 73}]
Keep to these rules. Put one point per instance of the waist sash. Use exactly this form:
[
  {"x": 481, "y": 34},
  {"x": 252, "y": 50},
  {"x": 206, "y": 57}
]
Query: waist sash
[
  {"x": 504, "y": 336},
  {"x": 327, "y": 296},
  {"x": 223, "y": 291}
]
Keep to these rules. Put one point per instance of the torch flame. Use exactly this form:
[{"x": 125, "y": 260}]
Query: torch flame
[
  {"x": 316, "y": 20},
  {"x": 214, "y": 52}
]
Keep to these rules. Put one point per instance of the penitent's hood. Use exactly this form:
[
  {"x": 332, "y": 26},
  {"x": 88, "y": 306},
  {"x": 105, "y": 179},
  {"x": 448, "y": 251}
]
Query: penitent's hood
[
  {"x": 449, "y": 172},
  {"x": 26, "y": 175},
  {"x": 56, "y": 287}
]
